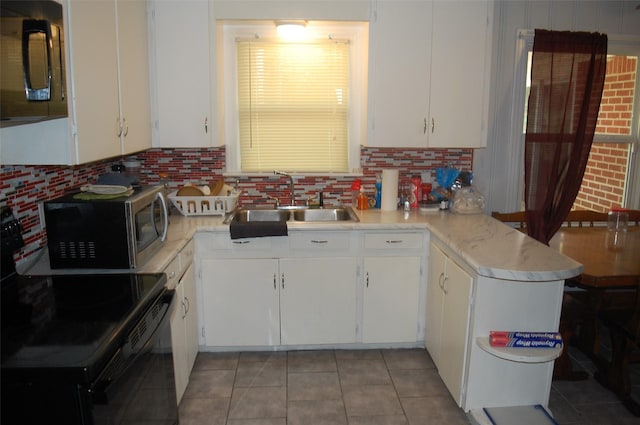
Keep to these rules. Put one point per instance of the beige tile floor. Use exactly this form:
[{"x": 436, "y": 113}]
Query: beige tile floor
[{"x": 355, "y": 387}]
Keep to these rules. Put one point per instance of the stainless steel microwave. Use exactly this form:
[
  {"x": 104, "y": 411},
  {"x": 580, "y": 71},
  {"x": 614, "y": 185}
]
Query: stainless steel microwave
[
  {"x": 118, "y": 233},
  {"x": 32, "y": 62}
]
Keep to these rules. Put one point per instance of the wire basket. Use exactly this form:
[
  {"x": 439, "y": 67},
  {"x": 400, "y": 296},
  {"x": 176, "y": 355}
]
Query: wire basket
[{"x": 204, "y": 205}]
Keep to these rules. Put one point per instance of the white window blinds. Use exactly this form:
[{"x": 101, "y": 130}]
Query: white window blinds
[{"x": 293, "y": 102}]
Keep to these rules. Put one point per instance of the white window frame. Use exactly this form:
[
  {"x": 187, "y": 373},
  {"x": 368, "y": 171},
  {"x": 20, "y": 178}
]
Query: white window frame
[
  {"x": 355, "y": 32},
  {"x": 618, "y": 45}
]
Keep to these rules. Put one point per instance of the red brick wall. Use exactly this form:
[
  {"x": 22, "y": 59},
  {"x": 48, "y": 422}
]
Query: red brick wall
[{"x": 604, "y": 179}]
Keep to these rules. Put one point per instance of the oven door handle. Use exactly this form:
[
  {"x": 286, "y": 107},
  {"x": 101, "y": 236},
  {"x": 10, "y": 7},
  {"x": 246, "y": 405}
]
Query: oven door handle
[{"x": 123, "y": 359}]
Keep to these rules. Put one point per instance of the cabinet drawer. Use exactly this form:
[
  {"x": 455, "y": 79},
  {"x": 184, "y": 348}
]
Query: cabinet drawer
[
  {"x": 173, "y": 273},
  {"x": 224, "y": 241},
  {"x": 186, "y": 255},
  {"x": 320, "y": 240},
  {"x": 393, "y": 240}
]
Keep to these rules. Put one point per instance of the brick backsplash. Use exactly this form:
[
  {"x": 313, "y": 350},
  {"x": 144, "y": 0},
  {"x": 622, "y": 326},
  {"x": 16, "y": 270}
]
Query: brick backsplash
[{"x": 24, "y": 187}]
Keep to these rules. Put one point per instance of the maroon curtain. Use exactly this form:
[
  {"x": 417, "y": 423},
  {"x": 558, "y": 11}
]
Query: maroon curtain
[{"x": 567, "y": 77}]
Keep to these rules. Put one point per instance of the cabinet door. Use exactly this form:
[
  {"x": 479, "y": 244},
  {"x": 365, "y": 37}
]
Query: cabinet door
[
  {"x": 241, "y": 302},
  {"x": 178, "y": 344},
  {"x": 390, "y": 306},
  {"x": 460, "y": 61},
  {"x": 94, "y": 73},
  {"x": 133, "y": 62},
  {"x": 182, "y": 88},
  {"x": 318, "y": 300},
  {"x": 455, "y": 328},
  {"x": 188, "y": 283},
  {"x": 399, "y": 74},
  {"x": 435, "y": 301}
]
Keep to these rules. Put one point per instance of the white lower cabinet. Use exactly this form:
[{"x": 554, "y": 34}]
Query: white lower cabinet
[
  {"x": 184, "y": 322},
  {"x": 449, "y": 290},
  {"x": 391, "y": 299},
  {"x": 392, "y": 287},
  {"x": 241, "y": 302},
  {"x": 313, "y": 287},
  {"x": 286, "y": 301},
  {"x": 318, "y": 300}
]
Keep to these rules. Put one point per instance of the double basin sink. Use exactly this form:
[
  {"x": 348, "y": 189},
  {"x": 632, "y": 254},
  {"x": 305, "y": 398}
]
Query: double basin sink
[{"x": 301, "y": 214}]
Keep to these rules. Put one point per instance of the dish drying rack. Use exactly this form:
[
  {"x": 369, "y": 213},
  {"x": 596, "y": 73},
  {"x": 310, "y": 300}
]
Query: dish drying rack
[{"x": 204, "y": 205}]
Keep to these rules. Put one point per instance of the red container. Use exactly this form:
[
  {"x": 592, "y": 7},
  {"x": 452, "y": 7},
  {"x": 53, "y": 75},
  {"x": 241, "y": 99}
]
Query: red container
[
  {"x": 415, "y": 194},
  {"x": 426, "y": 190}
]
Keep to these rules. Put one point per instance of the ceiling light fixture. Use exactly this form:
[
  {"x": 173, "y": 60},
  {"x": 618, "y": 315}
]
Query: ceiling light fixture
[{"x": 290, "y": 30}]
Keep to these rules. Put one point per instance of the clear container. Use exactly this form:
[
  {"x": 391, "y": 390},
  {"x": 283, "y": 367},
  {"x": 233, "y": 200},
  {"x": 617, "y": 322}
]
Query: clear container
[
  {"x": 617, "y": 223},
  {"x": 618, "y": 220}
]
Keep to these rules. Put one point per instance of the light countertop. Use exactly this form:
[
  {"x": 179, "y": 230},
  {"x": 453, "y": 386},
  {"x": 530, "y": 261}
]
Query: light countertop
[{"x": 490, "y": 247}]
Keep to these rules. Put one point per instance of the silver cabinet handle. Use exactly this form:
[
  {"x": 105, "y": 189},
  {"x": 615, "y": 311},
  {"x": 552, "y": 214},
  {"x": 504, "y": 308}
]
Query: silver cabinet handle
[
  {"x": 275, "y": 278},
  {"x": 240, "y": 242},
  {"x": 367, "y": 279},
  {"x": 433, "y": 125},
  {"x": 125, "y": 126},
  {"x": 206, "y": 124},
  {"x": 118, "y": 127},
  {"x": 444, "y": 285},
  {"x": 394, "y": 241},
  {"x": 424, "y": 131},
  {"x": 441, "y": 281},
  {"x": 318, "y": 241},
  {"x": 282, "y": 280}
]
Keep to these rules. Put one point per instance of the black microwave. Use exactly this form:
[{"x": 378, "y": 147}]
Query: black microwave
[
  {"x": 118, "y": 233},
  {"x": 32, "y": 62}
]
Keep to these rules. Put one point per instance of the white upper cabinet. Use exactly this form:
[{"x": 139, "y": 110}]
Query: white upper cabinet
[
  {"x": 107, "y": 87},
  {"x": 460, "y": 70},
  {"x": 429, "y": 74},
  {"x": 110, "y": 74},
  {"x": 399, "y": 55},
  {"x": 133, "y": 60},
  {"x": 181, "y": 74}
]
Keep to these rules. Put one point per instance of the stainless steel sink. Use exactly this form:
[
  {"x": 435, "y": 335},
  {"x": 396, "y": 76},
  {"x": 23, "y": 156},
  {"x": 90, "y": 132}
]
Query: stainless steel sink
[
  {"x": 245, "y": 215},
  {"x": 326, "y": 214}
]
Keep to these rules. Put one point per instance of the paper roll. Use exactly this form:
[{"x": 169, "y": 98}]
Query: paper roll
[{"x": 389, "y": 190}]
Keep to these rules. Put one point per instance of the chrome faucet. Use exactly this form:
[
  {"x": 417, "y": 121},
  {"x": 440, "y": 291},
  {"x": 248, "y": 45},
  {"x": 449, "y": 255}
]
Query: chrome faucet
[{"x": 293, "y": 194}]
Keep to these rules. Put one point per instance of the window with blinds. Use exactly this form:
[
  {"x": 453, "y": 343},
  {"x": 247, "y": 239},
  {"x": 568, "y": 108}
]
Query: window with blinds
[{"x": 293, "y": 105}]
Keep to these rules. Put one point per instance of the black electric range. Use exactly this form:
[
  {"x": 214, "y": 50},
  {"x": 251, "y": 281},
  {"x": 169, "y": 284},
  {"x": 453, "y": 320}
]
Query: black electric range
[{"x": 70, "y": 357}]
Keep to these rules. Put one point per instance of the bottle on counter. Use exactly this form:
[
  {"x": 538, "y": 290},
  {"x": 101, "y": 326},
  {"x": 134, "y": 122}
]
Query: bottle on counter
[
  {"x": 363, "y": 201},
  {"x": 378, "y": 194},
  {"x": 355, "y": 192},
  {"x": 415, "y": 192}
]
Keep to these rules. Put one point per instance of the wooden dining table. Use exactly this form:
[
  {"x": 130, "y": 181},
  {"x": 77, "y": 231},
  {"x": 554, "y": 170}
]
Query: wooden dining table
[{"x": 610, "y": 280}]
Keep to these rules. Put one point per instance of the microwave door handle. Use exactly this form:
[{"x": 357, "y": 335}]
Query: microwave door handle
[
  {"x": 165, "y": 214},
  {"x": 29, "y": 28}
]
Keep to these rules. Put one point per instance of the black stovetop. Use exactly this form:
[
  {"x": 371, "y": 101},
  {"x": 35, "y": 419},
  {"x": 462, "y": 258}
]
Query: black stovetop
[{"x": 76, "y": 322}]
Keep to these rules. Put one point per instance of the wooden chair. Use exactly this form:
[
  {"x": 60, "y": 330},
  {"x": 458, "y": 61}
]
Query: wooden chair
[
  {"x": 585, "y": 218},
  {"x": 624, "y": 327},
  {"x": 634, "y": 217},
  {"x": 575, "y": 218},
  {"x": 515, "y": 219}
]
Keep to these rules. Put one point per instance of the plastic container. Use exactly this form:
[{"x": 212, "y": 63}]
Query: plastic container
[
  {"x": 363, "y": 201},
  {"x": 415, "y": 194},
  {"x": 378, "y": 194},
  {"x": 355, "y": 192},
  {"x": 617, "y": 224}
]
